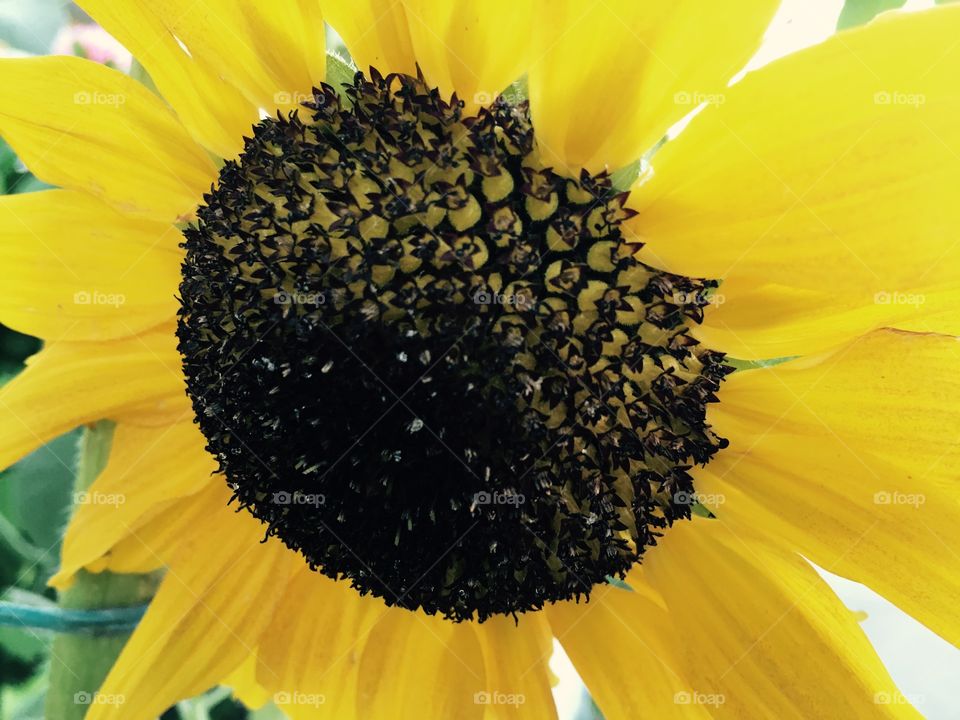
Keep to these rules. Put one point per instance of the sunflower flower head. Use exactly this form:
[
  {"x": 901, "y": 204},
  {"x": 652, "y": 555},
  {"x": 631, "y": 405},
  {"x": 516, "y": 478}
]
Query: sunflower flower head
[
  {"x": 410, "y": 338},
  {"x": 549, "y": 396}
]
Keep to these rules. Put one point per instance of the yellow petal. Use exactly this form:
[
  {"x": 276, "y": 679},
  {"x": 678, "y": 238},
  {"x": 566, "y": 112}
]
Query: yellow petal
[
  {"x": 772, "y": 321},
  {"x": 516, "y": 657},
  {"x": 415, "y": 666},
  {"x": 147, "y": 467},
  {"x": 851, "y": 459},
  {"x": 473, "y": 49},
  {"x": 208, "y": 614},
  {"x": 310, "y": 652},
  {"x": 828, "y": 172},
  {"x": 614, "y": 642},
  {"x": 68, "y": 384},
  {"x": 891, "y": 394},
  {"x": 375, "y": 32},
  {"x": 154, "y": 539},
  {"x": 81, "y": 125},
  {"x": 614, "y": 76},
  {"x": 79, "y": 270},
  {"x": 761, "y": 634},
  {"x": 213, "y": 112},
  {"x": 245, "y": 687},
  {"x": 273, "y": 52}
]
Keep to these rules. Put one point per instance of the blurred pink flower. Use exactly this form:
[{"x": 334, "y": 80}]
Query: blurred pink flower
[{"x": 91, "y": 41}]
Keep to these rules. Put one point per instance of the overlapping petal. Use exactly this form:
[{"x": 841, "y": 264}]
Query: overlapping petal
[
  {"x": 822, "y": 188},
  {"x": 84, "y": 126},
  {"x": 610, "y": 78}
]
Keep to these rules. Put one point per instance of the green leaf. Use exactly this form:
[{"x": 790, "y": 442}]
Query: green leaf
[
  {"x": 858, "y": 12},
  {"x": 340, "y": 71},
  {"x": 36, "y": 493},
  {"x": 740, "y": 365}
]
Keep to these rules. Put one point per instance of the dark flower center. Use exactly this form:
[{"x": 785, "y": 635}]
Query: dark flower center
[{"x": 433, "y": 365}]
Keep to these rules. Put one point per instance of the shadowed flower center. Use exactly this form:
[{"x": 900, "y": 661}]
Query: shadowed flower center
[{"x": 433, "y": 365}]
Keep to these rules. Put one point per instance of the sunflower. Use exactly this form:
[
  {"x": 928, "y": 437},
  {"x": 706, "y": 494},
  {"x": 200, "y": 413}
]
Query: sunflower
[{"x": 406, "y": 384}]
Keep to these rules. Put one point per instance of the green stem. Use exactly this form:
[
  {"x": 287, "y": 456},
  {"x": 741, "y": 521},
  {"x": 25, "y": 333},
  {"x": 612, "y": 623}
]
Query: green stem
[{"x": 80, "y": 661}]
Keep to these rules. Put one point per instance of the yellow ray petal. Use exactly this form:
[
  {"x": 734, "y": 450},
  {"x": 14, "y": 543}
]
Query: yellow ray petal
[
  {"x": 416, "y": 666},
  {"x": 79, "y": 270},
  {"x": 612, "y": 77},
  {"x": 213, "y": 112},
  {"x": 473, "y": 49},
  {"x": 771, "y": 321},
  {"x": 154, "y": 539},
  {"x": 375, "y": 32},
  {"x": 890, "y": 393},
  {"x": 851, "y": 458},
  {"x": 81, "y": 125},
  {"x": 148, "y": 467},
  {"x": 762, "y": 635},
  {"x": 245, "y": 687},
  {"x": 614, "y": 642},
  {"x": 311, "y": 650},
  {"x": 516, "y": 657},
  {"x": 273, "y": 52},
  {"x": 68, "y": 384},
  {"x": 205, "y": 620},
  {"x": 827, "y": 171}
]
